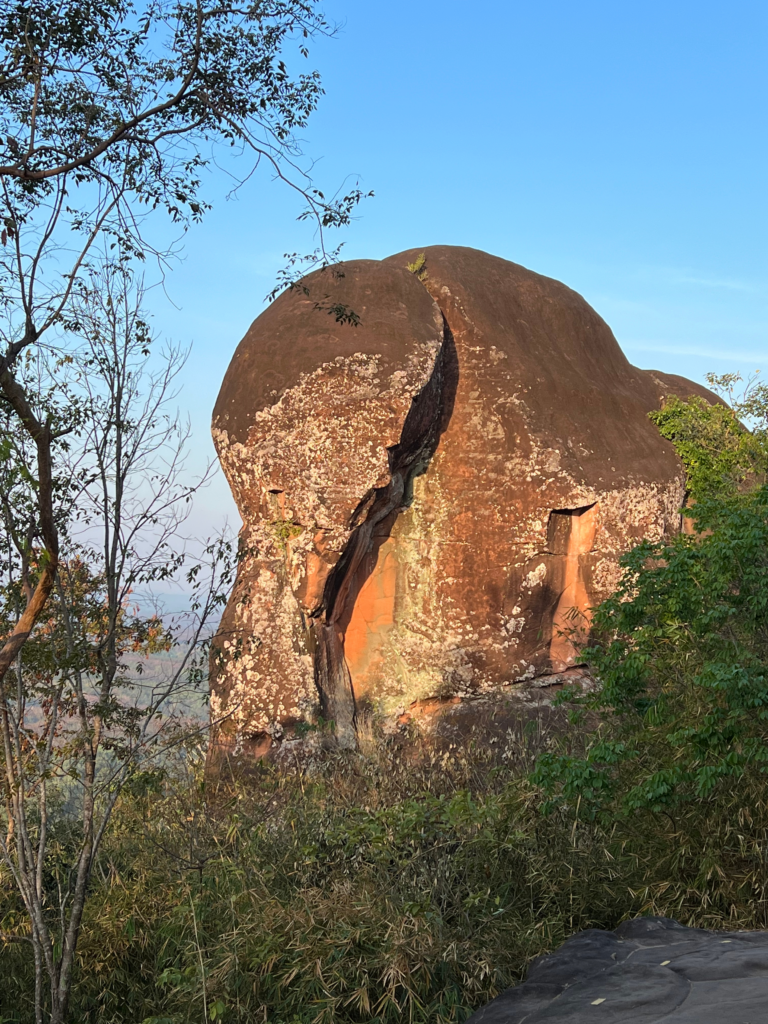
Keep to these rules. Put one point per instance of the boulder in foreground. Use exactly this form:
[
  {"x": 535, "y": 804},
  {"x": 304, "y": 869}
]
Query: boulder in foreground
[{"x": 650, "y": 970}]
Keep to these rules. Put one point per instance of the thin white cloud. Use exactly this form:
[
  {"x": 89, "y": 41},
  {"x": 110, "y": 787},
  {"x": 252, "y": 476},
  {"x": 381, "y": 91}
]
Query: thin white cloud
[
  {"x": 690, "y": 276},
  {"x": 669, "y": 348},
  {"x": 709, "y": 282}
]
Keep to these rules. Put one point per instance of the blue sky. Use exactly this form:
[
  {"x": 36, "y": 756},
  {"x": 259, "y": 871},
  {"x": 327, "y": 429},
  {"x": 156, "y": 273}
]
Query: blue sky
[{"x": 620, "y": 147}]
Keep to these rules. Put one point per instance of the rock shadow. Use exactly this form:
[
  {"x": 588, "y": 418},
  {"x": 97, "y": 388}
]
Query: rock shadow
[{"x": 373, "y": 519}]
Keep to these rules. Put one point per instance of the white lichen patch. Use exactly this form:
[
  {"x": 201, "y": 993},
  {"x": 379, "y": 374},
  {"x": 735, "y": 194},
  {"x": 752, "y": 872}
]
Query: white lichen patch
[{"x": 536, "y": 576}]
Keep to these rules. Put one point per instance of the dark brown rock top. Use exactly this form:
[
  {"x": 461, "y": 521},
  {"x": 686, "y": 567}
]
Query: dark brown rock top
[{"x": 394, "y": 310}]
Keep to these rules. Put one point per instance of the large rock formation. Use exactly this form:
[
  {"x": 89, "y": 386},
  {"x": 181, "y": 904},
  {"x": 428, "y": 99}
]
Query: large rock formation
[{"x": 433, "y": 498}]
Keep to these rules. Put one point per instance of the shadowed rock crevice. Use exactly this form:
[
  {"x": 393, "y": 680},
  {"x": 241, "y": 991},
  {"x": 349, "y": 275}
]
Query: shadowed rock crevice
[
  {"x": 373, "y": 519},
  {"x": 571, "y": 537}
]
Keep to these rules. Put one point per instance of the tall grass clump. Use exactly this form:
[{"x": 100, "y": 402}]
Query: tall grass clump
[
  {"x": 376, "y": 890},
  {"x": 370, "y": 889}
]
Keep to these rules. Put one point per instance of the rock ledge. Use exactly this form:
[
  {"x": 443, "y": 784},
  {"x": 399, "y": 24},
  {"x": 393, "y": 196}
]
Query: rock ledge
[{"x": 648, "y": 971}]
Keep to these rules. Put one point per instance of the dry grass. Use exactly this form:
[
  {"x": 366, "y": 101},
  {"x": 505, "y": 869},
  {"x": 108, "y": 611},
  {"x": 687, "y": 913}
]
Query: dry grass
[{"x": 375, "y": 890}]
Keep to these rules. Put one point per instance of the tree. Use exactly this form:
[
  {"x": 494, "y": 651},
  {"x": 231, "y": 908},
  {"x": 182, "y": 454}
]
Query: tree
[
  {"x": 721, "y": 456},
  {"x": 110, "y": 112},
  {"x": 681, "y": 650},
  {"x": 85, "y": 708}
]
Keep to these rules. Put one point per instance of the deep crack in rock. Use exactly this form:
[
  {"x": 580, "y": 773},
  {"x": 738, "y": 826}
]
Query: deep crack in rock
[{"x": 427, "y": 418}]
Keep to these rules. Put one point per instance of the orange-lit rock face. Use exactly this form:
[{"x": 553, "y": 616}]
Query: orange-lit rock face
[
  {"x": 572, "y": 533},
  {"x": 434, "y": 500}
]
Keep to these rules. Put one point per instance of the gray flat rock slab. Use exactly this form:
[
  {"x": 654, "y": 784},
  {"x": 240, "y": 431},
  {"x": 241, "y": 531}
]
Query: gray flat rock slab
[{"x": 651, "y": 970}]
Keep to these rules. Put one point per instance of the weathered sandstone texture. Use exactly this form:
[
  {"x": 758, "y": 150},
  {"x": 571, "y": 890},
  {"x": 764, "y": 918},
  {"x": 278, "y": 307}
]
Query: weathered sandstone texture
[{"x": 432, "y": 499}]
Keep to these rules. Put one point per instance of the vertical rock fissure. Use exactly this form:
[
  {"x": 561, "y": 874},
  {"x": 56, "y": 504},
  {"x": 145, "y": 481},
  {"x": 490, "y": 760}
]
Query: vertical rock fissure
[
  {"x": 571, "y": 534},
  {"x": 427, "y": 419}
]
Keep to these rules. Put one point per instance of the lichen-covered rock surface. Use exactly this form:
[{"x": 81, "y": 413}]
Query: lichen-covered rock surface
[{"x": 433, "y": 497}]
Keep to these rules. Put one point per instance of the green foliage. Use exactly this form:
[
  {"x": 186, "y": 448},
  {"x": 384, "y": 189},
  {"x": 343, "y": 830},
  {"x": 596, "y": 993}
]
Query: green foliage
[
  {"x": 89, "y": 702},
  {"x": 368, "y": 890},
  {"x": 286, "y": 530},
  {"x": 373, "y": 890},
  {"x": 419, "y": 266},
  {"x": 719, "y": 454},
  {"x": 97, "y": 87},
  {"x": 681, "y": 650},
  {"x": 682, "y": 654}
]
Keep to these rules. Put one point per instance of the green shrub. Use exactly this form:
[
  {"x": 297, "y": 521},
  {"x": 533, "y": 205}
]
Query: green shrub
[{"x": 678, "y": 762}]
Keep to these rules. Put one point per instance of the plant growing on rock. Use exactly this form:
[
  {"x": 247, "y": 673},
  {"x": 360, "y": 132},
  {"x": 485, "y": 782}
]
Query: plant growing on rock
[{"x": 419, "y": 266}]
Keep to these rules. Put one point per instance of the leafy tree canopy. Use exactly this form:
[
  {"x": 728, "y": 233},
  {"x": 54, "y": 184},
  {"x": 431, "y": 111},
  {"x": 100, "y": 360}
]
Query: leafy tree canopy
[{"x": 720, "y": 455}]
